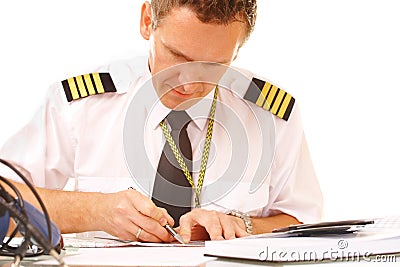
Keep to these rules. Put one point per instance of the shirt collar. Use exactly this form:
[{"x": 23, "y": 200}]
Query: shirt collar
[{"x": 198, "y": 112}]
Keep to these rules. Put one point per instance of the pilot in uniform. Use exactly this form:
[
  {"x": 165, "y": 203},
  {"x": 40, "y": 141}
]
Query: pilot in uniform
[{"x": 102, "y": 130}]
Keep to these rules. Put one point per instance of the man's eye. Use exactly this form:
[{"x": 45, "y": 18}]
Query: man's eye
[
  {"x": 177, "y": 56},
  {"x": 174, "y": 54}
]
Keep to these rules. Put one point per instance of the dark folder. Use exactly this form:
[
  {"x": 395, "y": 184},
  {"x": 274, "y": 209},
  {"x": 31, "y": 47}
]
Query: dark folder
[{"x": 324, "y": 228}]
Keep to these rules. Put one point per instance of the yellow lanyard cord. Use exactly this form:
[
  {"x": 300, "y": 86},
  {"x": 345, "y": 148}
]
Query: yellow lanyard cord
[{"x": 204, "y": 157}]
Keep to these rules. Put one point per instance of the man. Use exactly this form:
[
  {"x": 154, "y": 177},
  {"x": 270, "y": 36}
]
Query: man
[{"x": 78, "y": 133}]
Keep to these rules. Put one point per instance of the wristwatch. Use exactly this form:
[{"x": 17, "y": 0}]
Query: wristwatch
[{"x": 245, "y": 217}]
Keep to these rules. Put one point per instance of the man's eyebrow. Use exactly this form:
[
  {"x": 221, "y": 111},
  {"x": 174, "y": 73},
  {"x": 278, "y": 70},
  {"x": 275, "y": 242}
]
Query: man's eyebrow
[
  {"x": 177, "y": 52},
  {"x": 187, "y": 58}
]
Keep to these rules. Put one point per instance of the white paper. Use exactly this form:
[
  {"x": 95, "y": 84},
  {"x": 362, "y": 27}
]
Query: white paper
[
  {"x": 135, "y": 256},
  {"x": 105, "y": 242}
]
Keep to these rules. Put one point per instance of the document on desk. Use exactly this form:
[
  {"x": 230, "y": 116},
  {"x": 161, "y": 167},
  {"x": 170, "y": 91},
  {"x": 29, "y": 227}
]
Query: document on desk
[
  {"x": 104, "y": 251},
  {"x": 293, "y": 246},
  {"x": 106, "y": 242},
  {"x": 132, "y": 256}
]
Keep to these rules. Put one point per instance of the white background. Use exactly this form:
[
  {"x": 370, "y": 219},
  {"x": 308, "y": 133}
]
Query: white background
[{"x": 339, "y": 58}]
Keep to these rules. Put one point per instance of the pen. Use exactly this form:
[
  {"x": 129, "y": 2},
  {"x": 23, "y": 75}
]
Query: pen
[
  {"x": 174, "y": 233},
  {"x": 169, "y": 228}
]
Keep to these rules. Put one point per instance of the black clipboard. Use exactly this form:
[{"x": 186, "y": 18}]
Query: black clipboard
[{"x": 324, "y": 228}]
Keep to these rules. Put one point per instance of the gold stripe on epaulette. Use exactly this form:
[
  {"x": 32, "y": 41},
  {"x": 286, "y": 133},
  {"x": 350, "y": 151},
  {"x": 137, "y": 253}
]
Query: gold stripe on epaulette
[
  {"x": 81, "y": 86},
  {"x": 264, "y": 92},
  {"x": 270, "y": 97},
  {"x": 99, "y": 84},
  {"x": 88, "y": 84}
]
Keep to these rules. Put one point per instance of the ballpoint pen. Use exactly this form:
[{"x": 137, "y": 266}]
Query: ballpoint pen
[{"x": 174, "y": 233}]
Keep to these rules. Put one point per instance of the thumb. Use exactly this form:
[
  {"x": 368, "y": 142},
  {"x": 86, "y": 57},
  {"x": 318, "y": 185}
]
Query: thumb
[{"x": 185, "y": 228}]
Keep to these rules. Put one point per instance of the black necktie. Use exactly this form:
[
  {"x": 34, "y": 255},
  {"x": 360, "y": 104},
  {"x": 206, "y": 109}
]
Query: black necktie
[{"x": 172, "y": 190}]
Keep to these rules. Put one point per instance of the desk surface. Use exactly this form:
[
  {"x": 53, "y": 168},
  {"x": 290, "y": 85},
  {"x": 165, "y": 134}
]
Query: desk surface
[{"x": 175, "y": 256}]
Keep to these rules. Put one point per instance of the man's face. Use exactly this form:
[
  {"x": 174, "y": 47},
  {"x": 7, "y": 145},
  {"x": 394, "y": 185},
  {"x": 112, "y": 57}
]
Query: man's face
[{"x": 181, "y": 38}]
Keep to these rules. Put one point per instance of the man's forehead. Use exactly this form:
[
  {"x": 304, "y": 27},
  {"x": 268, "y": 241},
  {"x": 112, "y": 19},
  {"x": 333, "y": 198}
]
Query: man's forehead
[
  {"x": 184, "y": 35},
  {"x": 178, "y": 52},
  {"x": 183, "y": 15}
]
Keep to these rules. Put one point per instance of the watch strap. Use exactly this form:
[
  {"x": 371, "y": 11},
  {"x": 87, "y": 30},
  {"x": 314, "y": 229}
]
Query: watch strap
[{"x": 245, "y": 217}]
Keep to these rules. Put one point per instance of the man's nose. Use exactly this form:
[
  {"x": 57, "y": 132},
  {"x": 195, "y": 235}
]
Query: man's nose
[
  {"x": 189, "y": 73},
  {"x": 190, "y": 80},
  {"x": 191, "y": 88}
]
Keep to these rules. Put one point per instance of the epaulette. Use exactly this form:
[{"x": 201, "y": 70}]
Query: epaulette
[
  {"x": 86, "y": 85},
  {"x": 270, "y": 97}
]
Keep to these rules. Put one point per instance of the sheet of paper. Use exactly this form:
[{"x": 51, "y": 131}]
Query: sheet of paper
[
  {"x": 104, "y": 242},
  {"x": 290, "y": 249},
  {"x": 134, "y": 256}
]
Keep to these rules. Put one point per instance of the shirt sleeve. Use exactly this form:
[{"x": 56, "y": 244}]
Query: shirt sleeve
[
  {"x": 43, "y": 149},
  {"x": 294, "y": 187}
]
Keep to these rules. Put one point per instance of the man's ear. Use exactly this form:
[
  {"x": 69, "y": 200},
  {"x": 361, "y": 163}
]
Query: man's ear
[{"x": 145, "y": 21}]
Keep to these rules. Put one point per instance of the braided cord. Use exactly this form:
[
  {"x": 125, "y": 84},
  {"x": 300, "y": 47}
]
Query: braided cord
[
  {"x": 177, "y": 155},
  {"x": 204, "y": 157}
]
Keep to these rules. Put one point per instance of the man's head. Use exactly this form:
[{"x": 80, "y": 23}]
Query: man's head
[
  {"x": 210, "y": 11},
  {"x": 182, "y": 31}
]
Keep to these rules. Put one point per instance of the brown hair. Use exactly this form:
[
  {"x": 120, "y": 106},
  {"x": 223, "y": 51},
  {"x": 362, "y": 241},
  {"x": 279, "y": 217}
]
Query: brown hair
[{"x": 210, "y": 11}]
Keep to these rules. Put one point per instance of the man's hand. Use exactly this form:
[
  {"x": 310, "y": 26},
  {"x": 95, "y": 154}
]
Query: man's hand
[
  {"x": 124, "y": 213},
  {"x": 121, "y": 214},
  {"x": 200, "y": 224}
]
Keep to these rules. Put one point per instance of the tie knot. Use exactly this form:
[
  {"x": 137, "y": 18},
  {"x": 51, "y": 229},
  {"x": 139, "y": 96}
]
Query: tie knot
[{"x": 178, "y": 120}]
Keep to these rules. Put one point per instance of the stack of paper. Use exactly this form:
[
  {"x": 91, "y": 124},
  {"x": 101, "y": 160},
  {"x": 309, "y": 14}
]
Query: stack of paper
[{"x": 281, "y": 247}]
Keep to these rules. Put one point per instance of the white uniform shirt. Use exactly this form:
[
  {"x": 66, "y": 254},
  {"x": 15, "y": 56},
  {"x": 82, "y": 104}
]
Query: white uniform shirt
[{"x": 84, "y": 140}]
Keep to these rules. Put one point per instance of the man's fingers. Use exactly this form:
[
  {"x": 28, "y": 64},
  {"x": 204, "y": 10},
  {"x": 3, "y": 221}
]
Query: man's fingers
[
  {"x": 150, "y": 226},
  {"x": 168, "y": 217},
  {"x": 146, "y": 207},
  {"x": 236, "y": 229},
  {"x": 241, "y": 232},
  {"x": 213, "y": 225},
  {"x": 208, "y": 219},
  {"x": 185, "y": 227},
  {"x": 229, "y": 227},
  {"x": 143, "y": 235}
]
